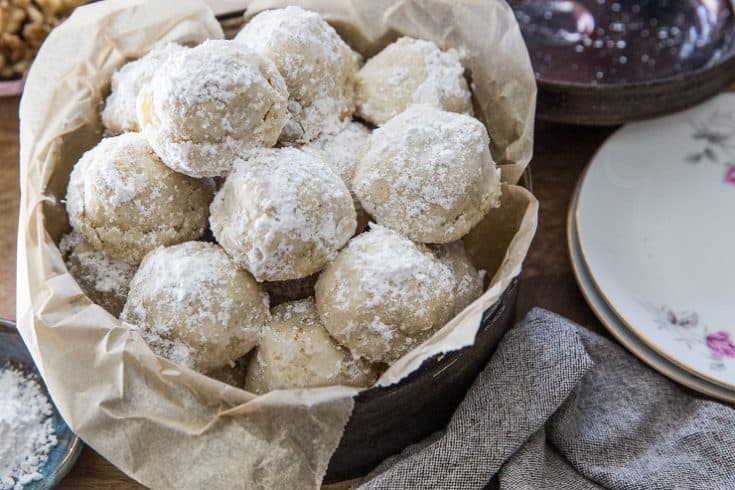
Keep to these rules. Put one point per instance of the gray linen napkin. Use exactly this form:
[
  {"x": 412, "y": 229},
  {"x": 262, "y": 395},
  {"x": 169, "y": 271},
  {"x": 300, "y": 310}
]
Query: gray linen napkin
[{"x": 560, "y": 407}]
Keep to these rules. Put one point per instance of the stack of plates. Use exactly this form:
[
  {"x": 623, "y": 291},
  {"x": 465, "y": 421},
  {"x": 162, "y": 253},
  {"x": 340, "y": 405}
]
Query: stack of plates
[{"x": 651, "y": 234}]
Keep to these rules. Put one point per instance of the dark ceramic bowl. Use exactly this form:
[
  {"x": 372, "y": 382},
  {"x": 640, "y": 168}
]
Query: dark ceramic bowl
[
  {"x": 61, "y": 459},
  {"x": 611, "y": 61}
]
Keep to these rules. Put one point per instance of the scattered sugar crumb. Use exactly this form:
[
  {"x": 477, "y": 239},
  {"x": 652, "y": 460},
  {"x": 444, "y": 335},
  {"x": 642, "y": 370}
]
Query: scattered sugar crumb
[{"x": 27, "y": 433}]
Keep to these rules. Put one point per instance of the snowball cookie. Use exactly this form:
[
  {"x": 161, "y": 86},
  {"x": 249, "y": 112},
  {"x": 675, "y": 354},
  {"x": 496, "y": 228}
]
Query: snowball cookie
[
  {"x": 411, "y": 71},
  {"x": 428, "y": 174},
  {"x": 343, "y": 149},
  {"x": 207, "y": 104},
  {"x": 296, "y": 351},
  {"x": 467, "y": 281},
  {"x": 119, "y": 115},
  {"x": 282, "y": 214},
  {"x": 103, "y": 278},
  {"x": 126, "y": 202},
  {"x": 342, "y": 152},
  {"x": 318, "y": 66},
  {"x": 383, "y": 295},
  {"x": 194, "y": 306}
]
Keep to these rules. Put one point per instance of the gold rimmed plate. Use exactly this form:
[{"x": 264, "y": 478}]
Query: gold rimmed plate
[
  {"x": 619, "y": 331},
  {"x": 599, "y": 62},
  {"x": 653, "y": 221}
]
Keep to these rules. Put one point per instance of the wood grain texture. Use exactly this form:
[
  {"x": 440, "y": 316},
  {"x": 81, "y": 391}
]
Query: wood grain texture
[
  {"x": 561, "y": 153},
  {"x": 9, "y": 194}
]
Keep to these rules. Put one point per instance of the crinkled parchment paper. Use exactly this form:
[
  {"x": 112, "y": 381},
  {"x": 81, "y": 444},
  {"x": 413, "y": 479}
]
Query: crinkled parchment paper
[{"x": 170, "y": 427}]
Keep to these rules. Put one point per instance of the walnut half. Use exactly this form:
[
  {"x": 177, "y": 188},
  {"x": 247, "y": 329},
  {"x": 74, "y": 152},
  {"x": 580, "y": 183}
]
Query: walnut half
[{"x": 24, "y": 24}]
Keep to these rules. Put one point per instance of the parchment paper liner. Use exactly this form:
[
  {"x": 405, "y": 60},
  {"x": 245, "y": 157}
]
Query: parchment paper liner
[{"x": 170, "y": 427}]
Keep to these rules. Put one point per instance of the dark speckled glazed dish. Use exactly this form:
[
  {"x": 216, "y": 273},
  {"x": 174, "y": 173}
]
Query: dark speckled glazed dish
[
  {"x": 62, "y": 457},
  {"x": 613, "y": 61}
]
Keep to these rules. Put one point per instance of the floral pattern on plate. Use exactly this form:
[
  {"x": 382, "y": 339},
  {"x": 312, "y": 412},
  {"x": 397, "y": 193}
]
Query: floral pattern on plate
[
  {"x": 730, "y": 175},
  {"x": 654, "y": 222},
  {"x": 686, "y": 328},
  {"x": 716, "y": 136}
]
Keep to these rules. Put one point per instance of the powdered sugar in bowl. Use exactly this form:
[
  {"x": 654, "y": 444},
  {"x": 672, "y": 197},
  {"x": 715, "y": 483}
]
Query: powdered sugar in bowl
[{"x": 37, "y": 449}]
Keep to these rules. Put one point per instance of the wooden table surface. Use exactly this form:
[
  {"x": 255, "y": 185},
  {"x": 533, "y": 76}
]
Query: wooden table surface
[{"x": 560, "y": 155}]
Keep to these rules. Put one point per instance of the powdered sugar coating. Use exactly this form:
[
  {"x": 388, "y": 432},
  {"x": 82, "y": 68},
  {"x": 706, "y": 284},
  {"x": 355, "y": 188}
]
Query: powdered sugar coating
[
  {"x": 296, "y": 351},
  {"x": 428, "y": 174},
  {"x": 467, "y": 280},
  {"x": 119, "y": 114},
  {"x": 342, "y": 151},
  {"x": 282, "y": 214},
  {"x": 193, "y": 305},
  {"x": 103, "y": 278},
  {"x": 318, "y": 66},
  {"x": 411, "y": 71},
  {"x": 383, "y": 295},
  {"x": 126, "y": 202},
  {"x": 206, "y": 105}
]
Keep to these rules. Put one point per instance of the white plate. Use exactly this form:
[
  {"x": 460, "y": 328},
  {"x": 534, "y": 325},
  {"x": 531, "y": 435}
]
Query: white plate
[
  {"x": 620, "y": 332},
  {"x": 656, "y": 225}
]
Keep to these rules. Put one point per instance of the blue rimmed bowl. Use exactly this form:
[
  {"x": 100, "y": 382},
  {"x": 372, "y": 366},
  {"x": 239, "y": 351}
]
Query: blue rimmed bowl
[{"x": 64, "y": 455}]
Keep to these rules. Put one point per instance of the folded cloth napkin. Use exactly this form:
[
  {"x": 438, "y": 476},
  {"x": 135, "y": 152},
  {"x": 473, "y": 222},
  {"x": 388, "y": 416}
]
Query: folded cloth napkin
[{"x": 559, "y": 407}]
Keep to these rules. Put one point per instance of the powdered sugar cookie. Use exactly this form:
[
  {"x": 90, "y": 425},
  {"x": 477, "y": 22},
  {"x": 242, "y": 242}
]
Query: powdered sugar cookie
[
  {"x": 119, "y": 114},
  {"x": 428, "y": 174},
  {"x": 207, "y": 105},
  {"x": 411, "y": 71},
  {"x": 194, "y": 306},
  {"x": 319, "y": 68},
  {"x": 467, "y": 281},
  {"x": 296, "y": 351},
  {"x": 342, "y": 151},
  {"x": 126, "y": 202},
  {"x": 383, "y": 295},
  {"x": 282, "y": 214}
]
